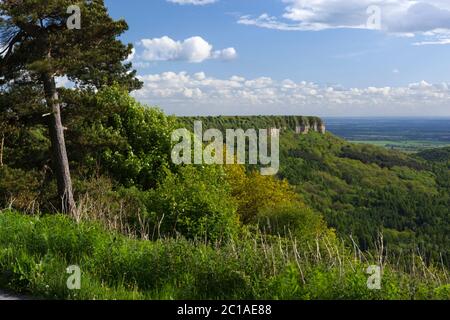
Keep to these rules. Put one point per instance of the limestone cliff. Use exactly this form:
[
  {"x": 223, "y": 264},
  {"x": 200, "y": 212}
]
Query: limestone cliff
[{"x": 299, "y": 124}]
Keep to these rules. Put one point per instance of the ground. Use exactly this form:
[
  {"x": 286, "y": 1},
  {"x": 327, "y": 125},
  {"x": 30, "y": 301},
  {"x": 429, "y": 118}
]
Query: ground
[{"x": 6, "y": 296}]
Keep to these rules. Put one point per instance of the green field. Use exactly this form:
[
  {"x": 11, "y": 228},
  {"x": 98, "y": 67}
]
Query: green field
[{"x": 405, "y": 146}]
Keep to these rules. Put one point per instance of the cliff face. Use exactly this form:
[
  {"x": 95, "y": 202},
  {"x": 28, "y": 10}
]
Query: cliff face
[
  {"x": 299, "y": 124},
  {"x": 315, "y": 127}
]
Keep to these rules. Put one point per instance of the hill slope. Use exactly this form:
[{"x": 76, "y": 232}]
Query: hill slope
[{"x": 363, "y": 190}]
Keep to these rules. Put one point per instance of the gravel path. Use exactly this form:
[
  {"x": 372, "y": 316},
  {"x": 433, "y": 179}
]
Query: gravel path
[{"x": 6, "y": 296}]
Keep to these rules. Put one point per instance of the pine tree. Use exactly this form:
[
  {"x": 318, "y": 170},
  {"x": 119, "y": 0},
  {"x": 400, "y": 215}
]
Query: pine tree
[{"x": 38, "y": 43}]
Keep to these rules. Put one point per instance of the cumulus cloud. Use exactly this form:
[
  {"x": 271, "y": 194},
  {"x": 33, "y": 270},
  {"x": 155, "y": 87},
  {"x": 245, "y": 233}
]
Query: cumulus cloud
[
  {"x": 198, "y": 93},
  {"x": 402, "y": 17},
  {"x": 225, "y": 54},
  {"x": 432, "y": 42},
  {"x": 194, "y": 50},
  {"x": 193, "y": 2}
]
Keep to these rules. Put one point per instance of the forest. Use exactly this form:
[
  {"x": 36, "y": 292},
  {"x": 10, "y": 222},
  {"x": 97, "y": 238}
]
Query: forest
[{"x": 140, "y": 227}]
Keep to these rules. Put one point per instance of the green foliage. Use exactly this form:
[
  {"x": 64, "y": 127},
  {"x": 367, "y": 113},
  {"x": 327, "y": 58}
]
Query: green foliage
[
  {"x": 19, "y": 188},
  {"x": 253, "y": 192},
  {"x": 126, "y": 140},
  {"x": 294, "y": 220},
  {"x": 196, "y": 202},
  {"x": 363, "y": 190},
  {"x": 37, "y": 47},
  {"x": 382, "y": 157},
  {"x": 253, "y": 122},
  {"x": 21, "y": 111},
  {"x": 35, "y": 252},
  {"x": 109, "y": 134},
  {"x": 436, "y": 155}
]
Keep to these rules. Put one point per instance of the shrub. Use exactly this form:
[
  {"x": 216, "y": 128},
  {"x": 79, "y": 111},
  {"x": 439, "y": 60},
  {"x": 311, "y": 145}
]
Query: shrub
[
  {"x": 195, "y": 203},
  {"x": 294, "y": 219},
  {"x": 19, "y": 189},
  {"x": 254, "y": 192}
]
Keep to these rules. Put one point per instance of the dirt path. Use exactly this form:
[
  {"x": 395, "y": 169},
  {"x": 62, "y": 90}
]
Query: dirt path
[{"x": 6, "y": 296}]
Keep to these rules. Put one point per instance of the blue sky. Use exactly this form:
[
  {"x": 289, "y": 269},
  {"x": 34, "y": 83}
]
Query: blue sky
[{"x": 327, "y": 58}]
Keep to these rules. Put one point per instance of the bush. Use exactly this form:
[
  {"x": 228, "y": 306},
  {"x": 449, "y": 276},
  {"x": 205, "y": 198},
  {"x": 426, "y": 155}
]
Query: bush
[
  {"x": 19, "y": 189},
  {"x": 254, "y": 192},
  {"x": 294, "y": 219},
  {"x": 195, "y": 203}
]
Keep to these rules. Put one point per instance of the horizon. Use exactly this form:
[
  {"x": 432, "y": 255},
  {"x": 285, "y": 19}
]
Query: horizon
[{"x": 322, "y": 117}]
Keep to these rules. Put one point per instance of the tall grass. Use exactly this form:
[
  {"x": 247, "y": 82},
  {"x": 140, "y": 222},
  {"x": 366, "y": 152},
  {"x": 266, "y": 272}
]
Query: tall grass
[{"x": 35, "y": 252}]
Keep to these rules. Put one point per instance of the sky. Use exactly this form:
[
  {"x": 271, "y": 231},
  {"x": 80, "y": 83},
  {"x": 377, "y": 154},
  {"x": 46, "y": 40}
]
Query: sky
[{"x": 296, "y": 57}]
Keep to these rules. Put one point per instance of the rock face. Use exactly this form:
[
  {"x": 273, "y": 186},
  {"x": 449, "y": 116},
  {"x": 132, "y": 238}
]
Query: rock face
[
  {"x": 304, "y": 129},
  {"x": 322, "y": 129},
  {"x": 307, "y": 128},
  {"x": 298, "y": 124}
]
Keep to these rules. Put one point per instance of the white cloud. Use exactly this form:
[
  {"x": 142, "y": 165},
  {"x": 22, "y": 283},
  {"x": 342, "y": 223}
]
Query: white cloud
[
  {"x": 436, "y": 42},
  {"x": 402, "y": 17},
  {"x": 194, "y": 50},
  {"x": 193, "y": 2},
  {"x": 225, "y": 54},
  {"x": 183, "y": 93}
]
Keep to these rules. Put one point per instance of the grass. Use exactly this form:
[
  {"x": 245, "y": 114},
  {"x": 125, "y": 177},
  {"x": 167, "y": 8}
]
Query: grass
[
  {"x": 409, "y": 146},
  {"x": 35, "y": 252}
]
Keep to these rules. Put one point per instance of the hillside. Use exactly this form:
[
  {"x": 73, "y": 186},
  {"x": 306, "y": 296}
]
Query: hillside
[
  {"x": 363, "y": 190},
  {"x": 146, "y": 228},
  {"x": 436, "y": 155}
]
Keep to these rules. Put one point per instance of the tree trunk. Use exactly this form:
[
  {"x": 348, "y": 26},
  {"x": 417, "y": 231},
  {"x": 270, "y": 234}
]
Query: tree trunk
[
  {"x": 2, "y": 146},
  {"x": 59, "y": 152}
]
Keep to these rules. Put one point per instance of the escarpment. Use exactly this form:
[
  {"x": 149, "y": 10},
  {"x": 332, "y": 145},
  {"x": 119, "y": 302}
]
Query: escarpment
[{"x": 298, "y": 124}]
